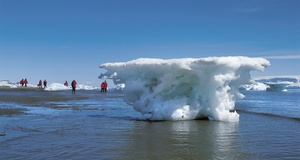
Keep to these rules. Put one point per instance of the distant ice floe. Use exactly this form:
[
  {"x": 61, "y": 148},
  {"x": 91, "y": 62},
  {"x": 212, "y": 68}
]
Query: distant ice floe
[
  {"x": 280, "y": 83},
  {"x": 274, "y": 83},
  {"x": 256, "y": 87},
  {"x": 278, "y": 87},
  {"x": 187, "y": 88}
]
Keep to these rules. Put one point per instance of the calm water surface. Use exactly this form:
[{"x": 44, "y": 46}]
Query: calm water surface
[{"x": 91, "y": 125}]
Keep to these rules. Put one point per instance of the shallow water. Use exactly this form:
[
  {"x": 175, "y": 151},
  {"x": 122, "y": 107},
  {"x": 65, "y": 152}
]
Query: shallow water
[{"x": 91, "y": 125}]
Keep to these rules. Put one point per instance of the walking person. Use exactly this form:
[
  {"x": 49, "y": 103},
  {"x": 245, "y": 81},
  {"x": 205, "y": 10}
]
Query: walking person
[
  {"x": 25, "y": 82},
  {"x": 40, "y": 84},
  {"x": 45, "y": 83},
  {"x": 22, "y": 82},
  {"x": 73, "y": 86}
]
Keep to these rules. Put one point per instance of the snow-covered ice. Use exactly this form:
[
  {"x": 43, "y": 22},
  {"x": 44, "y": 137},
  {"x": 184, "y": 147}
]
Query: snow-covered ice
[{"x": 184, "y": 89}]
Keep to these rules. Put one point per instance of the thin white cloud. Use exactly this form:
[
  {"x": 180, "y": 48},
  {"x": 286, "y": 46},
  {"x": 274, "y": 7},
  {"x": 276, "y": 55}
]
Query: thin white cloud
[{"x": 283, "y": 57}]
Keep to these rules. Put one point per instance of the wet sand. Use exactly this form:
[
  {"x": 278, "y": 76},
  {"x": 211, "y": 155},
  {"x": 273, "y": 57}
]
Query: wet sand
[
  {"x": 11, "y": 111},
  {"x": 26, "y": 95},
  {"x": 7, "y": 88}
]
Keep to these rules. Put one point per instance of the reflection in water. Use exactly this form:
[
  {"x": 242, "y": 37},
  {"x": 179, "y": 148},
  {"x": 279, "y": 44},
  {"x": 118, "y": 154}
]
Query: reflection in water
[
  {"x": 183, "y": 140},
  {"x": 225, "y": 141}
]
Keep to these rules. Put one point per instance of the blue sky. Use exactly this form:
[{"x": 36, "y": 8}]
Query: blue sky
[{"x": 62, "y": 40}]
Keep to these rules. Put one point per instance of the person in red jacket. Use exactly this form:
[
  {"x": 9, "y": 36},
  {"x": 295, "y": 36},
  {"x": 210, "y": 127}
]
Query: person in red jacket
[
  {"x": 66, "y": 84},
  {"x": 40, "y": 84},
  {"x": 73, "y": 86},
  {"x": 104, "y": 86},
  {"x": 22, "y": 82},
  {"x": 25, "y": 82}
]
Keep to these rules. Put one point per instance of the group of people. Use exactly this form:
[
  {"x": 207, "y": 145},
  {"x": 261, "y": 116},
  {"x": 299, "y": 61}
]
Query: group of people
[
  {"x": 40, "y": 84},
  {"x": 104, "y": 86},
  {"x": 24, "y": 82},
  {"x": 73, "y": 84}
]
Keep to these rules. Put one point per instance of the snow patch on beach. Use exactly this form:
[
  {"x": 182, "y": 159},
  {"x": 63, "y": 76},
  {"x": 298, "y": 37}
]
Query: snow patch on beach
[
  {"x": 9, "y": 84},
  {"x": 184, "y": 89},
  {"x": 59, "y": 86}
]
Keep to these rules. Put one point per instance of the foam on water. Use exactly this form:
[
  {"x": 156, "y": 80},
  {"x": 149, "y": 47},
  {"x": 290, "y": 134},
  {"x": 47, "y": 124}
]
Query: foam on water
[{"x": 184, "y": 89}]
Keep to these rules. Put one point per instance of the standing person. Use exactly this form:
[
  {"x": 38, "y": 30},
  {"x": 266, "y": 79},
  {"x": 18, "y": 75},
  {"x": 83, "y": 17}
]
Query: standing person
[
  {"x": 102, "y": 87},
  {"x": 66, "y": 84},
  {"x": 25, "y": 82},
  {"x": 40, "y": 84},
  {"x": 22, "y": 82},
  {"x": 45, "y": 83},
  {"x": 105, "y": 86},
  {"x": 73, "y": 86}
]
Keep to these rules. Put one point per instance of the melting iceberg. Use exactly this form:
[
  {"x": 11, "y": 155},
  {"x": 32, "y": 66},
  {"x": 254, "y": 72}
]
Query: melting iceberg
[{"x": 184, "y": 89}]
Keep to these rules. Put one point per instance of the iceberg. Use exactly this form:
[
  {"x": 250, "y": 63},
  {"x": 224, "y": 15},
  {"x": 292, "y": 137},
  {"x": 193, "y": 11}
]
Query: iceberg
[
  {"x": 274, "y": 83},
  {"x": 184, "y": 89},
  {"x": 257, "y": 86},
  {"x": 280, "y": 83},
  {"x": 277, "y": 87}
]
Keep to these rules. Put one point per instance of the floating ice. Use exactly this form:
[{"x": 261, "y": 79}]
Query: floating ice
[
  {"x": 279, "y": 83},
  {"x": 255, "y": 86},
  {"x": 278, "y": 86},
  {"x": 274, "y": 83},
  {"x": 184, "y": 89}
]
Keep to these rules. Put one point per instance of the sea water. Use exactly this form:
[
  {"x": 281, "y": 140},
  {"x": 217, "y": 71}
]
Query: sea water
[
  {"x": 94, "y": 125},
  {"x": 285, "y": 104}
]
